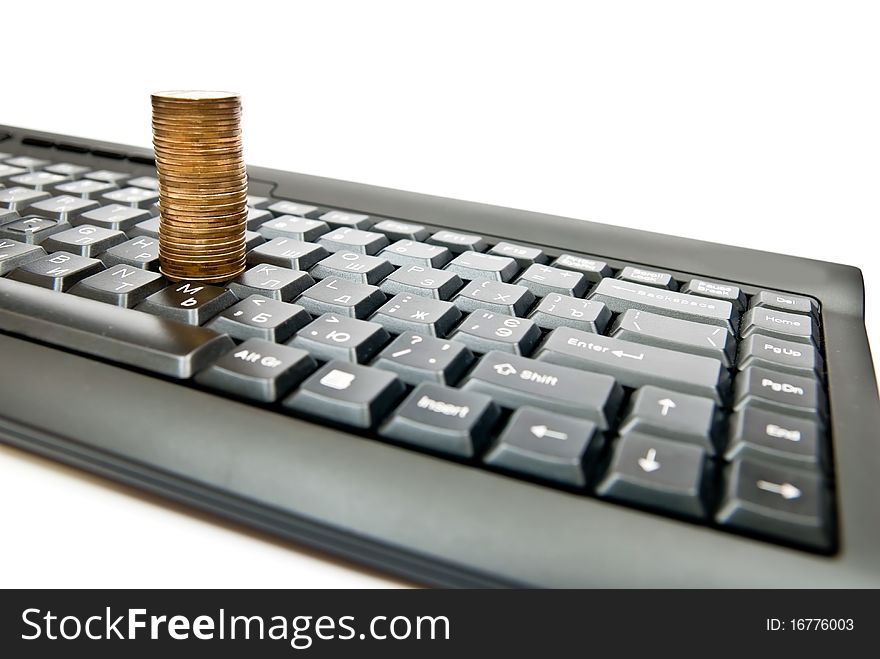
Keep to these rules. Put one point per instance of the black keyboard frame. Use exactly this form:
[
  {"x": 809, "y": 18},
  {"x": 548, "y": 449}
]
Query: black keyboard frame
[{"x": 375, "y": 514}]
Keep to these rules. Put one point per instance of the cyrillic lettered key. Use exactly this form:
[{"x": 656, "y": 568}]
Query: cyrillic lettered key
[
  {"x": 780, "y": 325},
  {"x": 547, "y": 445},
  {"x": 113, "y": 216},
  {"x": 798, "y": 395},
  {"x": 407, "y": 252},
  {"x": 38, "y": 180},
  {"x": 353, "y": 240},
  {"x": 271, "y": 281},
  {"x": 188, "y": 302},
  {"x": 287, "y": 253},
  {"x": 145, "y": 182},
  {"x": 675, "y": 334},
  {"x": 635, "y": 365},
  {"x": 83, "y": 188},
  {"x": 524, "y": 256},
  {"x": 764, "y": 434},
  {"x": 786, "y": 302},
  {"x": 32, "y": 229},
  {"x": 294, "y": 227},
  {"x": 148, "y": 228},
  {"x": 140, "y": 252},
  {"x": 336, "y": 337},
  {"x": 779, "y": 355},
  {"x": 657, "y": 473},
  {"x": 259, "y": 317},
  {"x": 443, "y": 420},
  {"x": 405, "y": 312},
  {"x": 131, "y": 196},
  {"x": 784, "y": 503},
  {"x": 19, "y": 198},
  {"x": 728, "y": 292},
  {"x": 566, "y": 311},
  {"x": 256, "y": 218},
  {"x": 66, "y": 169},
  {"x": 14, "y": 254},
  {"x": 258, "y": 370},
  {"x": 396, "y": 230},
  {"x": 516, "y": 381},
  {"x": 591, "y": 269},
  {"x": 416, "y": 358},
  {"x": 674, "y": 415},
  {"x": 121, "y": 285},
  {"x": 649, "y": 277},
  {"x": 58, "y": 271},
  {"x": 545, "y": 280},
  {"x": 334, "y": 295},
  {"x": 476, "y": 265},
  {"x": 337, "y": 219},
  {"x": 495, "y": 296},
  {"x": 64, "y": 207},
  {"x": 85, "y": 240},
  {"x": 342, "y": 392},
  {"x": 354, "y": 267},
  {"x": 108, "y": 177},
  {"x": 484, "y": 330},
  {"x": 419, "y": 280}
]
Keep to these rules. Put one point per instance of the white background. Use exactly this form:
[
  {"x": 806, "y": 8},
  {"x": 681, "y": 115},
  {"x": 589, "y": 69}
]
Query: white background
[{"x": 750, "y": 123}]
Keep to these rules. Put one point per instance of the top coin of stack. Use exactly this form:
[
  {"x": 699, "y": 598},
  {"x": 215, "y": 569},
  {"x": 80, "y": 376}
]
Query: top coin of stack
[{"x": 202, "y": 185}]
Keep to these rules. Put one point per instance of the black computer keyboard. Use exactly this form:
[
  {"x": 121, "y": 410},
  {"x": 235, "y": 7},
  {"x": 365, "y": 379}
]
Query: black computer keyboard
[{"x": 679, "y": 392}]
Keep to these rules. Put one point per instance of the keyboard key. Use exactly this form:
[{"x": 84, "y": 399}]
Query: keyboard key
[
  {"x": 407, "y": 252},
  {"x": 256, "y": 217},
  {"x": 287, "y": 253},
  {"x": 8, "y": 171},
  {"x": 728, "y": 292},
  {"x": 334, "y": 295},
  {"x": 788, "y": 504},
  {"x": 675, "y": 334},
  {"x": 458, "y": 242},
  {"x": 252, "y": 239},
  {"x": 140, "y": 252},
  {"x": 339, "y": 219},
  {"x": 291, "y": 208},
  {"x": 786, "y": 302},
  {"x": 635, "y": 365},
  {"x": 85, "y": 240},
  {"x": 419, "y": 280},
  {"x": 780, "y": 325},
  {"x": 566, "y": 311},
  {"x": 84, "y": 188},
  {"x": 148, "y": 228},
  {"x": 547, "y": 445},
  {"x": 649, "y": 277},
  {"x": 515, "y": 381},
  {"x": 395, "y": 230},
  {"x": 620, "y": 296},
  {"x": 107, "y": 176},
  {"x": 19, "y": 198},
  {"x": 510, "y": 299},
  {"x": 28, "y": 163},
  {"x": 416, "y": 358},
  {"x": 258, "y": 202},
  {"x": 64, "y": 207},
  {"x": 188, "y": 302},
  {"x": 7, "y": 216},
  {"x": 258, "y": 370},
  {"x": 32, "y": 229},
  {"x": 763, "y": 434},
  {"x": 58, "y": 271},
  {"x": 791, "y": 393},
  {"x": 657, "y": 473},
  {"x": 260, "y": 317},
  {"x": 67, "y": 169},
  {"x": 405, "y": 312},
  {"x": 354, "y": 267},
  {"x": 134, "y": 197},
  {"x": 113, "y": 216},
  {"x": 271, "y": 281},
  {"x": 347, "y": 393},
  {"x": 353, "y": 240},
  {"x": 484, "y": 330},
  {"x": 524, "y": 256},
  {"x": 38, "y": 180},
  {"x": 545, "y": 280},
  {"x": 671, "y": 414},
  {"x": 121, "y": 285},
  {"x": 593, "y": 270},
  {"x": 779, "y": 355},
  {"x": 145, "y": 182},
  {"x": 476, "y": 265},
  {"x": 443, "y": 420},
  {"x": 119, "y": 335},
  {"x": 332, "y": 336},
  {"x": 293, "y": 227},
  {"x": 14, "y": 254}
]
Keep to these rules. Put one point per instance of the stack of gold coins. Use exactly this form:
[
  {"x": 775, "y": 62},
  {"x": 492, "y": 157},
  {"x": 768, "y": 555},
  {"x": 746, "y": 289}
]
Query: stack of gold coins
[{"x": 202, "y": 185}]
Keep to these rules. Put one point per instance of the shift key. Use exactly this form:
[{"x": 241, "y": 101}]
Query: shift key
[{"x": 633, "y": 364}]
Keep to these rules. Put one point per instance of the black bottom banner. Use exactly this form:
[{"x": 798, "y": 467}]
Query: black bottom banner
[{"x": 437, "y": 623}]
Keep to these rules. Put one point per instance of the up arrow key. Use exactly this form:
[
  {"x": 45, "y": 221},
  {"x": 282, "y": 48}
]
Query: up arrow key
[{"x": 665, "y": 405}]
